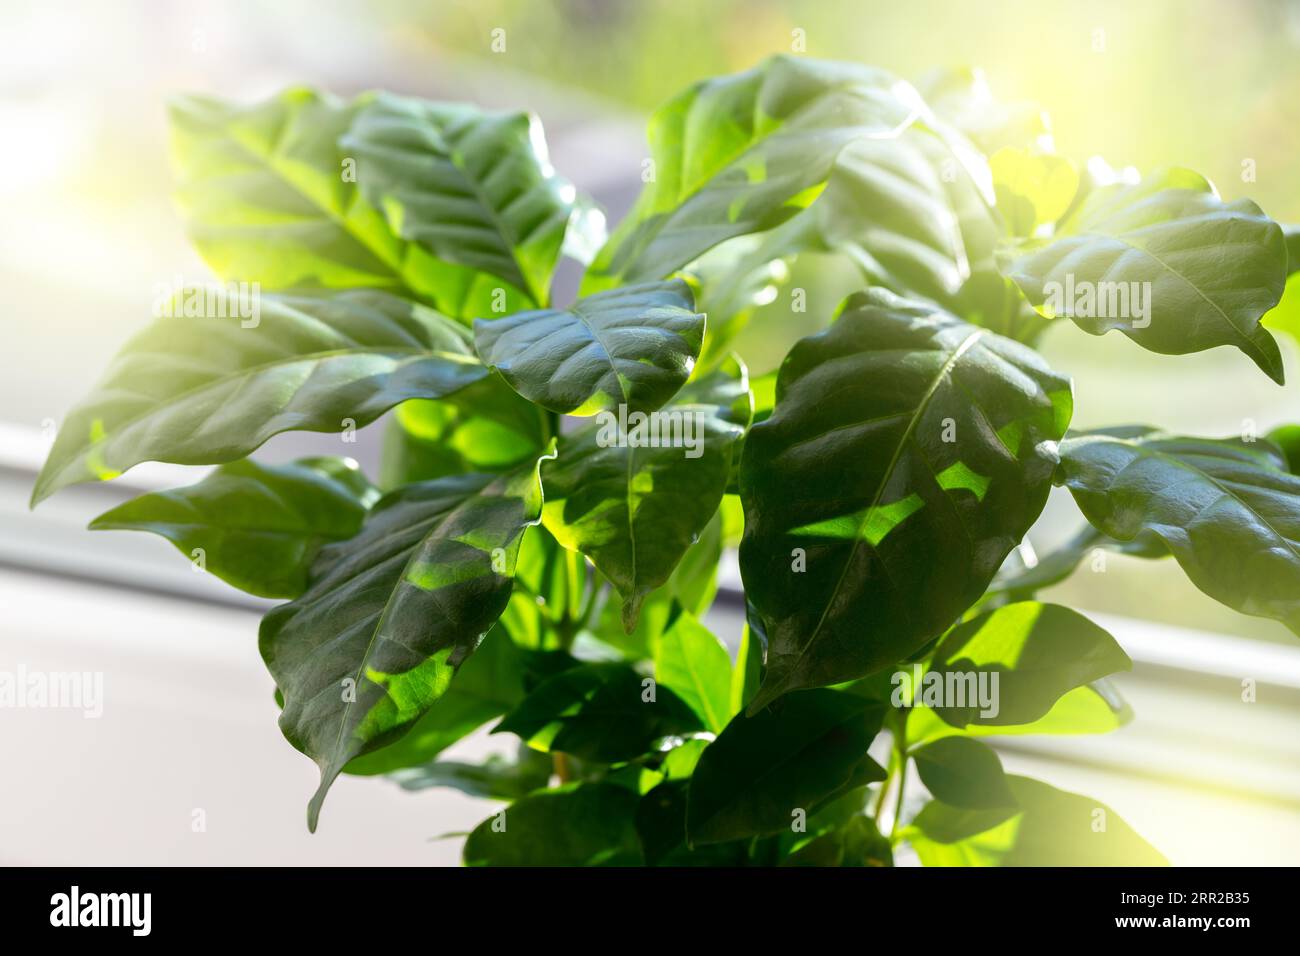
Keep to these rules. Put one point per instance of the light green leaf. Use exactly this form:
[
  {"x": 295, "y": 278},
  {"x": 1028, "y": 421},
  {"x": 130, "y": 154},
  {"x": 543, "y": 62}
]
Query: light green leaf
[
  {"x": 485, "y": 426},
  {"x": 393, "y": 613},
  {"x": 1051, "y": 828},
  {"x": 629, "y": 348},
  {"x": 582, "y": 824},
  {"x": 633, "y": 508},
  {"x": 1096, "y": 708},
  {"x": 695, "y": 665},
  {"x": 1033, "y": 188},
  {"x": 748, "y": 673},
  {"x": 210, "y": 388},
  {"x": 1228, "y": 510},
  {"x": 795, "y": 756},
  {"x": 259, "y": 527},
  {"x": 900, "y": 435},
  {"x": 740, "y": 154},
  {"x": 962, "y": 97},
  {"x": 1168, "y": 263}
]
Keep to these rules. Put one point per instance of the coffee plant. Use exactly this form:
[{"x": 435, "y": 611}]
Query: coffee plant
[{"x": 560, "y": 482}]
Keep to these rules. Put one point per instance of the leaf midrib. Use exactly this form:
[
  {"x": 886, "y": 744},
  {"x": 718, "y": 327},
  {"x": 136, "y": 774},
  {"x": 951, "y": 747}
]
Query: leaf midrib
[{"x": 965, "y": 346}]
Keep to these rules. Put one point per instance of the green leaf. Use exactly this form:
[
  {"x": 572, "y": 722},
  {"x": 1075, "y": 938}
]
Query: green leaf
[
  {"x": 1036, "y": 653},
  {"x": 1202, "y": 271},
  {"x": 911, "y": 213},
  {"x": 629, "y": 348},
  {"x": 547, "y": 595},
  {"x": 1052, "y": 828},
  {"x": 695, "y": 665},
  {"x": 1096, "y": 708},
  {"x": 485, "y": 426},
  {"x": 266, "y": 197},
  {"x": 740, "y": 154},
  {"x": 962, "y": 96},
  {"x": 487, "y": 685},
  {"x": 733, "y": 280},
  {"x": 901, "y": 437},
  {"x": 634, "y": 509},
  {"x": 692, "y": 586},
  {"x": 661, "y": 826},
  {"x": 211, "y": 387},
  {"x": 855, "y": 843},
  {"x": 1228, "y": 510},
  {"x": 748, "y": 674},
  {"x": 1055, "y": 567},
  {"x": 393, "y": 613},
  {"x": 496, "y": 778},
  {"x": 963, "y": 773},
  {"x": 1033, "y": 188},
  {"x": 797, "y": 755},
  {"x": 582, "y": 824},
  {"x": 259, "y": 527},
  {"x": 604, "y": 712},
  {"x": 474, "y": 190},
  {"x": 304, "y": 191}
]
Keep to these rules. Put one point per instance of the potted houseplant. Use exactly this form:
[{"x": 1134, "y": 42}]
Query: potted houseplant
[{"x": 561, "y": 480}]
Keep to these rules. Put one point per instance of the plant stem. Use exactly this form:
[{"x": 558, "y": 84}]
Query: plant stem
[{"x": 560, "y": 763}]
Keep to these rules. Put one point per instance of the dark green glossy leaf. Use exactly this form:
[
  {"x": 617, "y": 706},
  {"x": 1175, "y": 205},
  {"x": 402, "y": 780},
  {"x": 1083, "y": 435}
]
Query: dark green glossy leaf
[
  {"x": 1039, "y": 652},
  {"x": 1052, "y": 828},
  {"x": 496, "y": 778},
  {"x": 695, "y": 665},
  {"x": 634, "y": 510},
  {"x": 1228, "y": 510},
  {"x": 581, "y": 824},
  {"x": 1168, "y": 263},
  {"x": 740, "y": 154},
  {"x": 259, "y": 527},
  {"x": 629, "y": 348},
  {"x": 963, "y": 773},
  {"x": 474, "y": 190},
  {"x": 487, "y": 685},
  {"x": 794, "y": 756},
  {"x": 205, "y": 389},
  {"x": 854, "y": 843},
  {"x": 392, "y": 614},
  {"x": 661, "y": 825},
  {"x": 909, "y": 452},
  {"x": 601, "y": 712}
]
